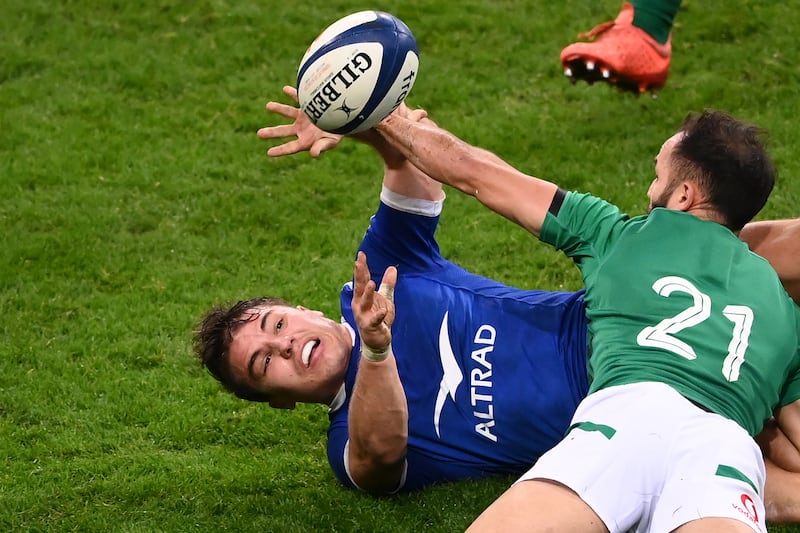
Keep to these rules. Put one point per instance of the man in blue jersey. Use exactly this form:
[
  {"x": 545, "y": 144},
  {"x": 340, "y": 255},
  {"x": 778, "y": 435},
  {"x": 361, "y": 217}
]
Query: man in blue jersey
[
  {"x": 694, "y": 340},
  {"x": 447, "y": 404}
]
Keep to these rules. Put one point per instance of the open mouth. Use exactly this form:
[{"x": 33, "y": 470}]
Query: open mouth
[{"x": 307, "y": 349}]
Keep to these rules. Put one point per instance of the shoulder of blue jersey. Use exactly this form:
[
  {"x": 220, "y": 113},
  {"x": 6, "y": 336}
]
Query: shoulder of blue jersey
[{"x": 357, "y": 72}]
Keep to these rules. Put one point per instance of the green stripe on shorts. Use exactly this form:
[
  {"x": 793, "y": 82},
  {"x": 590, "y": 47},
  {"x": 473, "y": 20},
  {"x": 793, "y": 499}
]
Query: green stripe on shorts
[
  {"x": 731, "y": 472},
  {"x": 608, "y": 431}
]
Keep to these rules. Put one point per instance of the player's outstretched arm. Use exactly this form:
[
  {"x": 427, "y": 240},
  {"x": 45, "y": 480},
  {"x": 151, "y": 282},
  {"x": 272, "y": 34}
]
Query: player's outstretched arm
[
  {"x": 444, "y": 157},
  {"x": 378, "y": 417},
  {"x": 778, "y": 241},
  {"x": 301, "y": 135}
]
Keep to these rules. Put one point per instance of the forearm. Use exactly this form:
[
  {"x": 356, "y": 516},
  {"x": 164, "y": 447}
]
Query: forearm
[
  {"x": 776, "y": 446},
  {"x": 781, "y": 494},
  {"x": 782, "y": 458},
  {"x": 436, "y": 152},
  {"x": 778, "y": 241},
  {"x": 781, "y": 448},
  {"x": 446, "y": 158},
  {"x": 378, "y": 424},
  {"x": 392, "y": 157},
  {"x": 399, "y": 175},
  {"x": 788, "y": 424}
]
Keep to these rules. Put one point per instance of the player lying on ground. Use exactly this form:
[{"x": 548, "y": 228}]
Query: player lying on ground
[
  {"x": 689, "y": 356},
  {"x": 429, "y": 430}
]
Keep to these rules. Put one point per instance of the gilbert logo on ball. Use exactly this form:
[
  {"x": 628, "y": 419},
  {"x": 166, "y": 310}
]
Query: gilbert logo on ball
[{"x": 357, "y": 72}]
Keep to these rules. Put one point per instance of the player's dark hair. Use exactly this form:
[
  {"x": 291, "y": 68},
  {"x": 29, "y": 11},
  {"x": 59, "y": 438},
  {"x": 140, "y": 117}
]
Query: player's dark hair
[
  {"x": 729, "y": 160},
  {"x": 213, "y": 337}
]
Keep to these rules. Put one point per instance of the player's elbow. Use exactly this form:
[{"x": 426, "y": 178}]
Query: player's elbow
[
  {"x": 381, "y": 450},
  {"x": 778, "y": 448},
  {"x": 384, "y": 481},
  {"x": 379, "y": 470}
]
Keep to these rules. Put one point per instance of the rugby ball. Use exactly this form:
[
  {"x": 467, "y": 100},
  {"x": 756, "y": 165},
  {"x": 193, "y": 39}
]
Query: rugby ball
[{"x": 357, "y": 72}]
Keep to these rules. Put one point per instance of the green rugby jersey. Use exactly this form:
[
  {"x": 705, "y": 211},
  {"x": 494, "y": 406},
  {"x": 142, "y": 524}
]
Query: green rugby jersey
[{"x": 682, "y": 301}]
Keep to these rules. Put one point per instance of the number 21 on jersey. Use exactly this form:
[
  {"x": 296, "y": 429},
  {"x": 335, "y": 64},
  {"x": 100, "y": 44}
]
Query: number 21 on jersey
[{"x": 662, "y": 334}]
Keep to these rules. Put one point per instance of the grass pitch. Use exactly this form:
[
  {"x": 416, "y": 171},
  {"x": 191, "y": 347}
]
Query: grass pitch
[{"x": 134, "y": 194}]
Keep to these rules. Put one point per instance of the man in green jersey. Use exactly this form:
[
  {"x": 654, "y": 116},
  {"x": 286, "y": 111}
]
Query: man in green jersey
[{"x": 690, "y": 356}]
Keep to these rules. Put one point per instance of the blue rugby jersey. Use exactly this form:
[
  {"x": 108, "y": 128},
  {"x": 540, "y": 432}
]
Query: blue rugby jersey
[{"x": 492, "y": 373}]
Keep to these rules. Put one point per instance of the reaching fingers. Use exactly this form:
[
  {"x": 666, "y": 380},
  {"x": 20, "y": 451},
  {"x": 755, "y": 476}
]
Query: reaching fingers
[
  {"x": 292, "y": 147},
  {"x": 388, "y": 283},
  {"x": 290, "y": 91},
  {"x": 308, "y": 137},
  {"x": 360, "y": 275},
  {"x": 323, "y": 144},
  {"x": 416, "y": 115},
  {"x": 276, "y": 132},
  {"x": 364, "y": 289},
  {"x": 285, "y": 110},
  {"x": 426, "y": 120}
]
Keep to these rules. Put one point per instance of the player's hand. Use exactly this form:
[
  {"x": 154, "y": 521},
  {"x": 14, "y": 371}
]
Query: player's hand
[
  {"x": 414, "y": 115},
  {"x": 309, "y": 138},
  {"x": 373, "y": 309}
]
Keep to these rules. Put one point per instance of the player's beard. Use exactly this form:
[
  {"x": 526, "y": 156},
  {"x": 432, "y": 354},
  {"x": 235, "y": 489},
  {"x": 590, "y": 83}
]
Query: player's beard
[
  {"x": 658, "y": 202},
  {"x": 663, "y": 198}
]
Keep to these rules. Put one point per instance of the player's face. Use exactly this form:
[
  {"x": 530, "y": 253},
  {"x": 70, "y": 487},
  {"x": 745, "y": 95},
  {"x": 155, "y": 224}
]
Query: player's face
[
  {"x": 291, "y": 353},
  {"x": 665, "y": 182}
]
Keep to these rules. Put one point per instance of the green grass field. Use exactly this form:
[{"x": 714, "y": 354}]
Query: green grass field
[{"x": 134, "y": 194}]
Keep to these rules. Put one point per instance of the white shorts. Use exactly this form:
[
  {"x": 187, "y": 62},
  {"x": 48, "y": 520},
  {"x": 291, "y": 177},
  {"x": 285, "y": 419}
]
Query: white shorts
[{"x": 645, "y": 458}]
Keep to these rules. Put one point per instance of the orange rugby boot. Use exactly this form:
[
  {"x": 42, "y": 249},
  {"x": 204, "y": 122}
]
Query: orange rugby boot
[{"x": 619, "y": 53}]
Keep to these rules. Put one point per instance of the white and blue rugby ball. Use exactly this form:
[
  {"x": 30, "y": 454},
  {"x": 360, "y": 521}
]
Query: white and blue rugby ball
[{"x": 357, "y": 72}]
